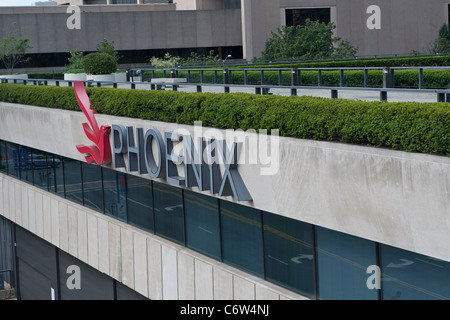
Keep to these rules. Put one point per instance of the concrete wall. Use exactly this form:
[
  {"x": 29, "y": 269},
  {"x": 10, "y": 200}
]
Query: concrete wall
[
  {"x": 396, "y": 198},
  {"x": 406, "y": 25},
  {"x": 131, "y": 27},
  {"x": 152, "y": 266}
]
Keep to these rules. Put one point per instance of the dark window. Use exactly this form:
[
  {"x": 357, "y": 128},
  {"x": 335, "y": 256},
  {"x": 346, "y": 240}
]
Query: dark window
[
  {"x": 26, "y": 168},
  {"x": 92, "y": 186},
  {"x": 411, "y": 276},
  {"x": 3, "y": 157},
  {"x": 115, "y": 193},
  {"x": 241, "y": 237},
  {"x": 342, "y": 262},
  {"x": 202, "y": 223},
  {"x": 40, "y": 165},
  {"x": 289, "y": 256},
  {"x": 297, "y": 17},
  {"x": 12, "y": 154},
  {"x": 72, "y": 178},
  {"x": 55, "y": 174},
  {"x": 168, "y": 204},
  {"x": 140, "y": 202}
]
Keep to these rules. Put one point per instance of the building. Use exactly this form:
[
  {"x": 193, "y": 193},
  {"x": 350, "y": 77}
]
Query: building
[
  {"x": 143, "y": 28},
  {"x": 309, "y": 220}
]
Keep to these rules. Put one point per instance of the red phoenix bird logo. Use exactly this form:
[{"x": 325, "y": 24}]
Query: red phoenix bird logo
[{"x": 101, "y": 151}]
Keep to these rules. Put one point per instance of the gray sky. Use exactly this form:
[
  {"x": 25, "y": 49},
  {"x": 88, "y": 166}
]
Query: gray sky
[{"x": 18, "y": 2}]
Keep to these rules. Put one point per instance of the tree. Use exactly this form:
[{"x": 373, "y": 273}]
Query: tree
[
  {"x": 313, "y": 40},
  {"x": 13, "y": 50},
  {"x": 442, "y": 43},
  {"x": 75, "y": 61},
  {"x": 108, "y": 47}
]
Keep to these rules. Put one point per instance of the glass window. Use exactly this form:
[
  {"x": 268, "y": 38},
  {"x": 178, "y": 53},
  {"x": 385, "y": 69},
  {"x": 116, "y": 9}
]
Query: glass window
[
  {"x": 72, "y": 179},
  {"x": 411, "y": 276},
  {"x": 3, "y": 157},
  {"x": 168, "y": 203},
  {"x": 342, "y": 262},
  {"x": 289, "y": 257},
  {"x": 12, "y": 154},
  {"x": 202, "y": 223},
  {"x": 40, "y": 169},
  {"x": 297, "y": 17},
  {"x": 241, "y": 237},
  {"x": 55, "y": 174},
  {"x": 92, "y": 186},
  {"x": 140, "y": 202},
  {"x": 115, "y": 193},
  {"x": 26, "y": 168}
]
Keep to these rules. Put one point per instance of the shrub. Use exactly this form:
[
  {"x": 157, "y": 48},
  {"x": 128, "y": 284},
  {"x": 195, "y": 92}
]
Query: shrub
[
  {"x": 408, "y": 126},
  {"x": 99, "y": 63}
]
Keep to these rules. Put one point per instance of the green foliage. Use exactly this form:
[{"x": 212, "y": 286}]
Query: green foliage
[
  {"x": 442, "y": 43},
  {"x": 99, "y": 63},
  {"x": 313, "y": 40},
  {"x": 408, "y": 126},
  {"x": 13, "y": 49},
  {"x": 415, "y": 61},
  {"x": 168, "y": 61},
  {"x": 353, "y": 78},
  {"x": 108, "y": 47},
  {"x": 75, "y": 61}
]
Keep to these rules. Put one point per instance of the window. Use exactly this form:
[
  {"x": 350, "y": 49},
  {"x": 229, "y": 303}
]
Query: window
[
  {"x": 297, "y": 17},
  {"x": 114, "y": 193},
  {"x": 168, "y": 209},
  {"x": 39, "y": 165},
  {"x": 92, "y": 186},
  {"x": 55, "y": 174},
  {"x": 3, "y": 157},
  {"x": 242, "y": 237},
  {"x": 288, "y": 252},
  {"x": 342, "y": 262},
  {"x": 72, "y": 178},
  {"x": 140, "y": 202},
  {"x": 12, "y": 154},
  {"x": 26, "y": 167},
  {"x": 411, "y": 276},
  {"x": 202, "y": 223}
]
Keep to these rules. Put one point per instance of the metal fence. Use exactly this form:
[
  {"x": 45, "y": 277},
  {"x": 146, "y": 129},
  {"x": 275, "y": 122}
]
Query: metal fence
[{"x": 288, "y": 79}]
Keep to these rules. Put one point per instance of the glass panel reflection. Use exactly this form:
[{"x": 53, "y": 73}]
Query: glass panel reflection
[
  {"x": 92, "y": 186},
  {"x": 168, "y": 212},
  {"x": 289, "y": 256},
  {"x": 72, "y": 178},
  {"x": 115, "y": 193},
  {"x": 140, "y": 202},
  {"x": 411, "y": 276},
  {"x": 242, "y": 237},
  {"x": 342, "y": 262},
  {"x": 202, "y": 223}
]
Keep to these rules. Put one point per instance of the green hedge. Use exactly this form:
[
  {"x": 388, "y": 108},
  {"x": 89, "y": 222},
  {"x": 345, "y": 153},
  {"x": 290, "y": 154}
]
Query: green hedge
[
  {"x": 389, "y": 62},
  {"x": 413, "y": 127},
  {"x": 353, "y": 78}
]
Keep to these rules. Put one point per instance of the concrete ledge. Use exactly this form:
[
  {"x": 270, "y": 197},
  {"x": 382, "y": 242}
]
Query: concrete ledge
[{"x": 169, "y": 80}]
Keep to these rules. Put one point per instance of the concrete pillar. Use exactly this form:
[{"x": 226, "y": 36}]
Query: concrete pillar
[{"x": 259, "y": 18}]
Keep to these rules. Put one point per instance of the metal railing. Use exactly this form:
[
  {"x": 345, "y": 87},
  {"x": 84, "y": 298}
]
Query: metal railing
[{"x": 442, "y": 95}]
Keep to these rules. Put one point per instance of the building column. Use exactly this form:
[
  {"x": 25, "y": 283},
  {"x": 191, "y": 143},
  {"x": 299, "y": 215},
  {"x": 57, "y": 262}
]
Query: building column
[{"x": 259, "y": 18}]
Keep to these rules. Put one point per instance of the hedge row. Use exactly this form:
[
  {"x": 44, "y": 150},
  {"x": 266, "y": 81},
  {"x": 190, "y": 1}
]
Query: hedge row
[
  {"x": 413, "y": 127},
  {"x": 389, "y": 62},
  {"x": 352, "y": 78}
]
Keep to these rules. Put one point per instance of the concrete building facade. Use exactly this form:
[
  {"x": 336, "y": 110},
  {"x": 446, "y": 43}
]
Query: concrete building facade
[
  {"x": 313, "y": 228},
  {"x": 376, "y": 27}
]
